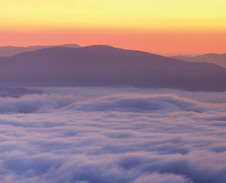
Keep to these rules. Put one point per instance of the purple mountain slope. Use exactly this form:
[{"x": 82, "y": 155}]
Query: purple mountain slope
[
  {"x": 219, "y": 59},
  {"x": 8, "y": 51},
  {"x": 107, "y": 66}
]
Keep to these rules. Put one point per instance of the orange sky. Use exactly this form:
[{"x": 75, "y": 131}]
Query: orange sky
[{"x": 167, "y": 27}]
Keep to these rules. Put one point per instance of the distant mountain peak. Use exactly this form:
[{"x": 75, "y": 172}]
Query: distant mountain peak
[
  {"x": 7, "y": 51},
  {"x": 215, "y": 58},
  {"x": 101, "y": 65}
]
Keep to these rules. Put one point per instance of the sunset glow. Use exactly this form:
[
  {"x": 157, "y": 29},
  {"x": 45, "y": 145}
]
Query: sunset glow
[
  {"x": 164, "y": 27},
  {"x": 113, "y": 91}
]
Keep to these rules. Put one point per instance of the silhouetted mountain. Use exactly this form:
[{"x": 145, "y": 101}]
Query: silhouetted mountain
[
  {"x": 219, "y": 59},
  {"x": 108, "y": 66},
  {"x": 8, "y": 51}
]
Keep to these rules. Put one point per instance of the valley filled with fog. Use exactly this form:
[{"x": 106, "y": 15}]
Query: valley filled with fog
[{"x": 112, "y": 135}]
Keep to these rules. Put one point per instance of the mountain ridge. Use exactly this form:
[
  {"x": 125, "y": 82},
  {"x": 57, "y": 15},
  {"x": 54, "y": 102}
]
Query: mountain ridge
[
  {"x": 219, "y": 59},
  {"x": 7, "y": 51},
  {"x": 101, "y": 65}
]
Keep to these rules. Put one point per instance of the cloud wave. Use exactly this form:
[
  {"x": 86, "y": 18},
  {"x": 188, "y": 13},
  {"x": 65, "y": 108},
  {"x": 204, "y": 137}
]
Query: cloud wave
[{"x": 112, "y": 137}]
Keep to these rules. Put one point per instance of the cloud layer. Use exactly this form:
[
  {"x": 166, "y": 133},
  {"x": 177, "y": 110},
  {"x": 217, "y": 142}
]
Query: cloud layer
[{"x": 100, "y": 136}]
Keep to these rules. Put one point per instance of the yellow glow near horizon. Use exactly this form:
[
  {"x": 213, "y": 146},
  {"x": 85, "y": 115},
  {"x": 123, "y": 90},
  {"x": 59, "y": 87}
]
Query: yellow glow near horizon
[
  {"x": 158, "y": 26},
  {"x": 117, "y": 14}
]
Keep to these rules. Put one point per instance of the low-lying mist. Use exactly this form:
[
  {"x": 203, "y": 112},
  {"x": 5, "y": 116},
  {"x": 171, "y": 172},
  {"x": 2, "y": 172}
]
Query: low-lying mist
[{"x": 99, "y": 135}]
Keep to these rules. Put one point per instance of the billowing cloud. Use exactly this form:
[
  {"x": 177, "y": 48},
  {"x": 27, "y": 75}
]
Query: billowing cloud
[
  {"x": 162, "y": 178},
  {"x": 34, "y": 103},
  {"x": 142, "y": 103},
  {"x": 100, "y": 136}
]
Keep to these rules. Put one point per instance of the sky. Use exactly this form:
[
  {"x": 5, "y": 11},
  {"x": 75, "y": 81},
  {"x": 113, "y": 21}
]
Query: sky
[{"x": 167, "y": 27}]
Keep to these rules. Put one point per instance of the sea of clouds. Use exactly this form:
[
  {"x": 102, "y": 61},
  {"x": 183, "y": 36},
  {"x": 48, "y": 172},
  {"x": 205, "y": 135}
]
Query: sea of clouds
[{"x": 112, "y": 135}]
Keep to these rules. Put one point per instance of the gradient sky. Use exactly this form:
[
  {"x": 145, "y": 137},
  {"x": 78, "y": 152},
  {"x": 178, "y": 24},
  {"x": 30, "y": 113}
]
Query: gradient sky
[{"x": 165, "y": 27}]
